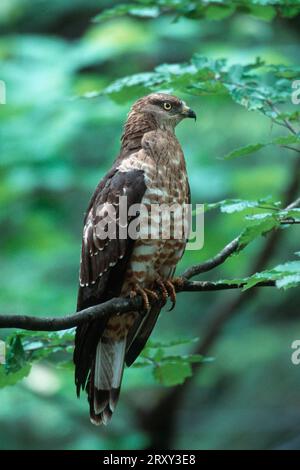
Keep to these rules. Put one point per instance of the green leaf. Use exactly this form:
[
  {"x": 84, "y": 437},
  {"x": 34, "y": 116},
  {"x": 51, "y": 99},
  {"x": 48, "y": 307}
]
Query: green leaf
[
  {"x": 128, "y": 9},
  {"x": 286, "y": 275},
  {"x": 15, "y": 354},
  {"x": 219, "y": 12},
  {"x": 261, "y": 228},
  {"x": 248, "y": 149},
  {"x": 169, "y": 369},
  {"x": 230, "y": 206},
  {"x": 243, "y": 151},
  {"x": 288, "y": 267},
  {"x": 168, "y": 344},
  {"x": 11, "y": 378},
  {"x": 290, "y": 214},
  {"x": 290, "y": 11},
  {"x": 172, "y": 373},
  {"x": 286, "y": 140},
  {"x": 288, "y": 281},
  {"x": 158, "y": 355},
  {"x": 26, "y": 347},
  {"x": 285, "y": 71},
  {"x": 197, "y": 358},
  {"x": 263, "y": 12}
]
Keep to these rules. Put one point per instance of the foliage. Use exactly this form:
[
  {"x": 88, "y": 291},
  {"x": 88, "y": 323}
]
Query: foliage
[
  {"x": 241, "y": 152},
  {"x": 169, "y": 369},
  {"x": 25, "y": 348},
  {"x": 209, "y": 9},
  {"x": 286, "y": 275},
  {"x": 256, "y": 86}
]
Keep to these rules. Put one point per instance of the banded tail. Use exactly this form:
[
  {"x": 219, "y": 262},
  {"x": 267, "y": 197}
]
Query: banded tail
[
  {"x": 99, "y": 362},
  {"x": 105, "y": 379}
]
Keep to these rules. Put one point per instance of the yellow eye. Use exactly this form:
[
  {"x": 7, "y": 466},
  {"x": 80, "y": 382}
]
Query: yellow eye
[{"x": 167, "y": 106}]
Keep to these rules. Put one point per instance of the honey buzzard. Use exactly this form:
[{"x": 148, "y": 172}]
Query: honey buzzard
[{"x": 150, "y": 169}]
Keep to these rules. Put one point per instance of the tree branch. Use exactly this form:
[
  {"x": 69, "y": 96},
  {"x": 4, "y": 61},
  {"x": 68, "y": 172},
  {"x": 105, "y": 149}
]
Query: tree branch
[
  {"x": 295, "y": 203},
  {"x": 285, "y": 122},
  {"x": 212, "y": 263},
  {"x": 118, "y": 305},
  {"x": 289, "y": 147}
]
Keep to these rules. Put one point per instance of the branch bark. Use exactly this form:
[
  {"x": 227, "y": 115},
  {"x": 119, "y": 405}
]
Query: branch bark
[{"x": 105, "y": 310}]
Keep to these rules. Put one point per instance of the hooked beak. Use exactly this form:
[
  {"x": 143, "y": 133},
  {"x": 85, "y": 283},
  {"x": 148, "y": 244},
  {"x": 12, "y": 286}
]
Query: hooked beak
[{"x": 188, "y": 113}]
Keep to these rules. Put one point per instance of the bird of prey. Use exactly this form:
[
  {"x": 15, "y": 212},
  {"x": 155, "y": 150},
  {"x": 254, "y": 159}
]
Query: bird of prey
[{"x": 150, "y": 169}]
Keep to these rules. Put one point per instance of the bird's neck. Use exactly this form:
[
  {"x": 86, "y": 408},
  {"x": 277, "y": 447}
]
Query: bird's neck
[{"x": 136, "y": 126}]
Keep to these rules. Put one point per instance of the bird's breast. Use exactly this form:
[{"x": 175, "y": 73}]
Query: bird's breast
[{"x": 161, "y": 239}]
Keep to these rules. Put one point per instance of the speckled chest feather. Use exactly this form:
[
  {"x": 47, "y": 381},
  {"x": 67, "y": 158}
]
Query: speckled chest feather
[{"x": 162, "y": 161}]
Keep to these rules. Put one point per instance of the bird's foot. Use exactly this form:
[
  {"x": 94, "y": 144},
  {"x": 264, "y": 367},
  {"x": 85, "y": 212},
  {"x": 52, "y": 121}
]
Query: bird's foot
[
  {"x": 148, "y": 296},
  {"x": 168, "y": 289},
  {"x": 164, "y": 291}
]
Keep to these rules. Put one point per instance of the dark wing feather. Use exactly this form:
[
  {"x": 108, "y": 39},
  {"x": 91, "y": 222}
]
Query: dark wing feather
[
  {"x": 139, "y": 334},
  {"x": 103, "y": 262}
]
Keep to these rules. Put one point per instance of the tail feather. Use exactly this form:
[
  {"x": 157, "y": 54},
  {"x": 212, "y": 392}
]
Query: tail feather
[{"x": 105, "y": 379}]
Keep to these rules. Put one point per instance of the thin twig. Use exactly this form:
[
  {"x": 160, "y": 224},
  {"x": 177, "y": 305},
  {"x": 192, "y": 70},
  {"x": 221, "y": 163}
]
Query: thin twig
[
  {"x": 290, "y": 148},
  {"x": 213, "y": 262},
  {"x": 285, "y": 121},
  {"x": 227, "y": 251},
  {"x": 293, "y": 204}
]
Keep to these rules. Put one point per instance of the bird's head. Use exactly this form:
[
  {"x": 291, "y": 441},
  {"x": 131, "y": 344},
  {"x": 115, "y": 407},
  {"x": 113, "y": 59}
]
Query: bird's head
[{"x": 167, "y": 110}]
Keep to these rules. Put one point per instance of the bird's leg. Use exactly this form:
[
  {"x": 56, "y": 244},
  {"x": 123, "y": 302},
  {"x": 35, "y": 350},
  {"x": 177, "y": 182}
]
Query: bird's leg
[{"x": 145, "y": 294}]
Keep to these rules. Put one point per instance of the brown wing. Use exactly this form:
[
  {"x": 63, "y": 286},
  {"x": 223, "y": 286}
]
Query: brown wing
[{"x": 103, "y": 262}]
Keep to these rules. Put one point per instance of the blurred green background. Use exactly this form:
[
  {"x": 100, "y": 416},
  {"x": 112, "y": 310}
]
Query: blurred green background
[{"x": 55, "y": 148}]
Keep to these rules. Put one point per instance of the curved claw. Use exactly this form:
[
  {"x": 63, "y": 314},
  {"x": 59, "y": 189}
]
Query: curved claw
[
  {"x": 139, "y": 291},
  {"x": 168, "y": 289},
  {"x": 145, "y": 294},
  {"x": 172, "y": 294}
]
